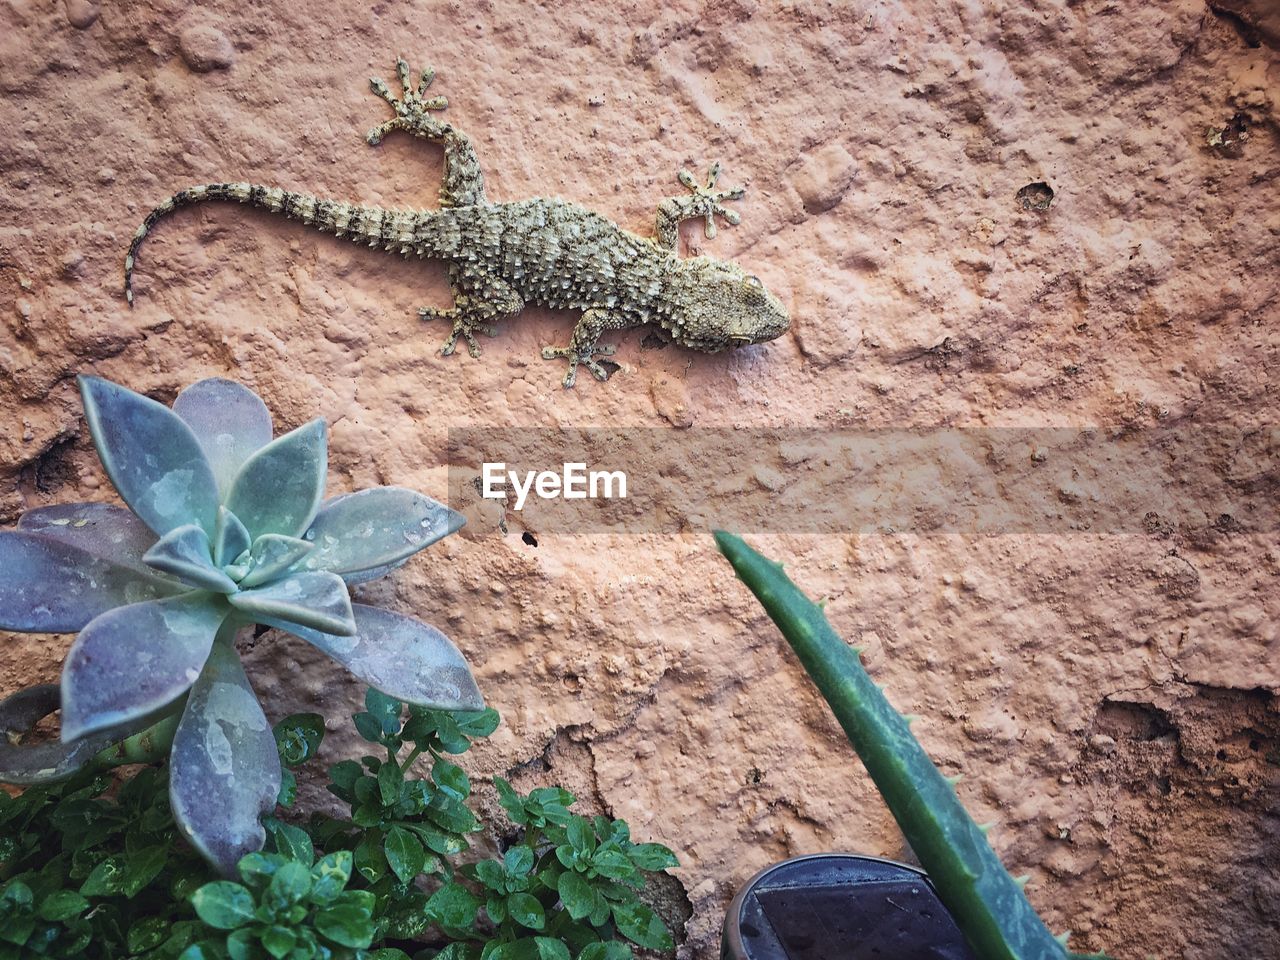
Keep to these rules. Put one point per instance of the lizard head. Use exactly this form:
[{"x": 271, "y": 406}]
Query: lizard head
[{"x": 722, "y": 306}]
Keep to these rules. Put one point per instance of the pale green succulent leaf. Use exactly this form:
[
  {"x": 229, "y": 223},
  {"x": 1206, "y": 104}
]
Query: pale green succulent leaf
[
  {"x": 231, "y": 539},
  {"x": 187, "y": 554},
  {"x": 373, "y": 573},
  {"x": 400, "y": 656},
  {"x": 133, "y": 660},
  {"x": 224, "y": 770},
  {"x": 48, "y": 761},
  {"x": 50, "y": 586},
  {"x": 230, "y": 422},
  {"x": 279, "y": 488},
  {"x": 104, "y": 530},
  {"x": 271, "y": 556},
  {"x": 314, "y": 599},
  {"x": 152, "y": 457},
  {"x": 376, "y": 528}
]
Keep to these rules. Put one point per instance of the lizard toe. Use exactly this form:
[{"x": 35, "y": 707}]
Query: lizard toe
[{"x": 598, "y": 370}]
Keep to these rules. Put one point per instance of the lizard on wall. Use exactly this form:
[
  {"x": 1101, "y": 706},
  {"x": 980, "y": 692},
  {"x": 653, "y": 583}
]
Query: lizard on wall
[{"x": 547, "y": 252}]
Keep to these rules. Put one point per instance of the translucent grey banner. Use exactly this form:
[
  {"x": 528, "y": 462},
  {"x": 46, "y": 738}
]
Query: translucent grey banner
[{"x": 945, "y": 481}]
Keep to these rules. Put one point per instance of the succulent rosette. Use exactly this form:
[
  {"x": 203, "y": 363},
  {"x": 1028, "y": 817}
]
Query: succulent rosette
[{"x": 226, "y": 527}]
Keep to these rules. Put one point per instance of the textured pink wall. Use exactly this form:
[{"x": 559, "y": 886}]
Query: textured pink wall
[{"x": 1112, "y": 700}]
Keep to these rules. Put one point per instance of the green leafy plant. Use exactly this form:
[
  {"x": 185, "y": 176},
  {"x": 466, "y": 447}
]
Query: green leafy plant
[
  {"x": 226, "y": 528},
  {"x": 91, "y": 871},
  {"x": 987, "y": 903},
  {"x": 567, "y": 886}
]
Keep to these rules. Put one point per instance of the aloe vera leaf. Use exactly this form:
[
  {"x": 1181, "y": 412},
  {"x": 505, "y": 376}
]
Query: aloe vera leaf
[{"x": 987, "y": 903}]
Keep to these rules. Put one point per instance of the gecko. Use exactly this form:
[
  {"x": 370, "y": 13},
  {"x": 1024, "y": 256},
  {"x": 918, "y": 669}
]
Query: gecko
[{"x": 547, "y": 252}]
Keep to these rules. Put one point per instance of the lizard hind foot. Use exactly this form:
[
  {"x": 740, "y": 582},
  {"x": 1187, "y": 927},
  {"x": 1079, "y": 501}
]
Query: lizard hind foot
[
  {"x": 412, "y": 107},
  {"x": 462, "y": 327},
  {"x": 585, "y": 358}
]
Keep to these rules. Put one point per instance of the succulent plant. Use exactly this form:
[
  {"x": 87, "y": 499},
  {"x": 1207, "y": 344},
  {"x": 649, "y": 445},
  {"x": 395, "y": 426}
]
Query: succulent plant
[
  {"x": 226, "y": 527},
  {"x": 988, "y": 904}
]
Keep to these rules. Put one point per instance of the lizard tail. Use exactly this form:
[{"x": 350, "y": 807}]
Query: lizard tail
[{"x": 406, "y": 230}]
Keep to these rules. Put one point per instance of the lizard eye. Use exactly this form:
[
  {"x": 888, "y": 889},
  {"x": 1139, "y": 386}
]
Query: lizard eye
[{"x": 755, "y": 282}]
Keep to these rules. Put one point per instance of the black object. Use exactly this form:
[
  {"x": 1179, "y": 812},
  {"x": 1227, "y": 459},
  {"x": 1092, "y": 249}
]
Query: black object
[{"x": 840, "y": 906}]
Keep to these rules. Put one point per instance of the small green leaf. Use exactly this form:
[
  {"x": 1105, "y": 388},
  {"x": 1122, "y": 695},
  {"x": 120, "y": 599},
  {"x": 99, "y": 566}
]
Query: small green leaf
[
  {"x": 526, "y": 949},
  {"x": 346, "y": 924},
  {"x": 223, "y": 904},
  {"x": 288, "y": 793},
  {"x": 511, "y": 801},
  {"x": 437, "y": 840},
  {"x": 453, "y": 906},
  {"x": 147, "y": 934},
  {"x": 291, "y": 883},
  {"x": 330, "y": 875},
  {"x": 298, "y": 737},
  {"x": 386, "y": 710},
  {"x": 451, "y": 815},
  {"x": 475, "y": 725},
  {"x": 576, "y": 895},
  {"x": 205, "y": 950},
  {"x": 518, "y": 861},
  {"x": 405, "y": 854},
  {"x": 525, "y": 910},
  {"x": 106, "y": 879},
  {"x": 451, "y": 779},
  {"x": 62, "y": 905},
  {"x": 639, "y": 924},
  {"x": 344, "y": 776},
  {"x": 452, "y": 739},
  {"x": 652, "y": 856},
  {"x": 143, "y": 867},
  {"x": 240, "y": 944},
  {"x": 580, "y": 835},
  {"x": 613, "y": 863},
  {"x": 390, "y": 780},
  {"x": 491, "y": 874},
  {"x": 278, "y": 941},
  {"x": 257, "y": 869},
  {"x": 550, "y": 948},
  {"x": 292, "y": 842},
  {"x": 367, "y": 726},
  {"x": 496, "y": 907},
  {"x": 370, "y": 860},
  {"x": 608, "y": 950}
]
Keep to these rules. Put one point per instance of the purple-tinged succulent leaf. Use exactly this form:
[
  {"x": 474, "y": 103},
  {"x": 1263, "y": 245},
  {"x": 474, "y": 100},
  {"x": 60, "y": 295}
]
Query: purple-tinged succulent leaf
[
  {"x": 151, "y": 456},
  {"x": 49, "y": 586},
  {"x": 375, "y": 528},
  {"x": 52, "y": 760},
  {"x": 373, "y": 573},
  {"x": 231, "y": 540},
  {"x": 102, "y": 529},
  {"x": 186, "y": 554},
  {"x": 278, "y": 489},
  {"x": 229, "y": 420},
  {"x": 271, "y": 556},
  {"x": 315, "y": 599},
  {"x": 224, "y": 772},
  {"x": 133, "y": 660},
  {"x": 402, "y": 657}
]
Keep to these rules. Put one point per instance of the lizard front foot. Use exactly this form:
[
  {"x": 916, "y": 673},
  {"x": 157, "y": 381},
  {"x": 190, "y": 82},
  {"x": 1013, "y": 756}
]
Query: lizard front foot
[
  {"x": 702, "y": 201},
  {"x": 463, "y": 327},
  {"x": 707, "y": 202},
  {"x": 575, "y": 357},
  {"x": 411, "y": 108}
]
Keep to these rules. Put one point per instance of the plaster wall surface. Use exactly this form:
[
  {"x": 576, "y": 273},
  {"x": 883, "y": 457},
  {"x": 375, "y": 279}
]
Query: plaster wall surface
[{"x": 1110, "y": 698}]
